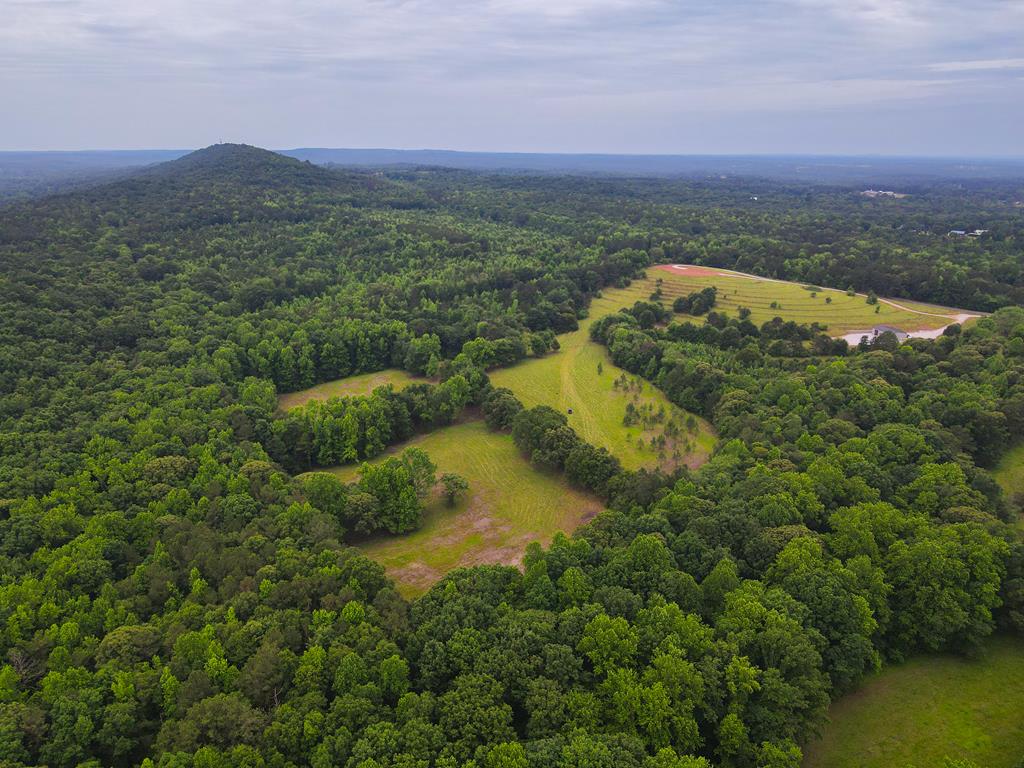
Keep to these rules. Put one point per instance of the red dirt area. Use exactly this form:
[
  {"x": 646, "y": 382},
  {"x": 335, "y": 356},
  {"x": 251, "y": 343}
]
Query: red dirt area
[{"x": 689, "y": 269}]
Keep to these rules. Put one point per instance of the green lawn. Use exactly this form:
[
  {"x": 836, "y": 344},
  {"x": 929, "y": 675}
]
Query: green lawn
[
  {"x": 1010, "y": 476},
  {"x": 569, "y": 379},
  {"x": 363, "y": 384},
  {"x": 1010, "y": 472},
  {"x": 510, "y": 504},
  {"x": 795, "y": 302},
  {"x": 916, "y": 713}
]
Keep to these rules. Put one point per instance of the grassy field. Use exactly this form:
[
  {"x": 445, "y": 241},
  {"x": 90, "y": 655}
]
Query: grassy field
[
  {"x": 1010, "y": 472},
  {"x": 569, "y": 379},
  {"x": 510, "y": 504},
  {"x": 793, "y": 301},
  {"x": 916, "y": 713},
  {"x": 362, "y": 384},
  {"x": 1010, "y": 476}
]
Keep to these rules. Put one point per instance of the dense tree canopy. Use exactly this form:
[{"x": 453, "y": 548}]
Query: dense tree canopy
[{"x": 177, "y": 590}]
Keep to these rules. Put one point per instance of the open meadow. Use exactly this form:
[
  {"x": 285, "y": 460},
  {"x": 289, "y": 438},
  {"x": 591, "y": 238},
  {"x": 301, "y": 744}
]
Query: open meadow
[
  {"x": 581, "y": 378},
  {"x": 840, "y": 311},
  {"x": 362, "y": 384},
  {"x": 1010, "y": 475},
  {"x": 510, "y": 503},
  {"x": 917, "y": 713}
]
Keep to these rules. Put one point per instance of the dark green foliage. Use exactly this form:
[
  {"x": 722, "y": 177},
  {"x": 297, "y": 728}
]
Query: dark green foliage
[
  {"x": 500, "y": 408},
  {"x": 391, "y": 484},
  {"x": 170, "y": 595},
  {"x": 454, "y": 486},
  {"x": 698, "y": 302}
]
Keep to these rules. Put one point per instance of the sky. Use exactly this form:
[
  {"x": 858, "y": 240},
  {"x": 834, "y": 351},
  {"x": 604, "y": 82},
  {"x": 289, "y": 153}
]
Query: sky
[{"x": 903, "y": 77}]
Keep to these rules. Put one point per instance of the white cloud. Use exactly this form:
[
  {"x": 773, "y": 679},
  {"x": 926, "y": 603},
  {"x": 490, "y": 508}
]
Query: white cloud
[
  {"x": 977, "y": 65},
  {"x": 475, "y": 62}
]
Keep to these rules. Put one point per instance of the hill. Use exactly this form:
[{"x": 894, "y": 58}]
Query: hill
[
  {"x": 216, "y": 185},
  {"x": 241, "y": 163},
  {"x": 33, "y": 174}
]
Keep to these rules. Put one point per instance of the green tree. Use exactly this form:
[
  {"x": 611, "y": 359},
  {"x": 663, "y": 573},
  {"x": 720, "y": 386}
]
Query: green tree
[
  {"x": 454, "y": 486},
  {"x": 609, "y": 643}
]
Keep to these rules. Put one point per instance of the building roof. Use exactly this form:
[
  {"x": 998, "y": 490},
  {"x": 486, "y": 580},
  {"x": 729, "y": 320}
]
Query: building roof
[{"x": 897, "y": 332}]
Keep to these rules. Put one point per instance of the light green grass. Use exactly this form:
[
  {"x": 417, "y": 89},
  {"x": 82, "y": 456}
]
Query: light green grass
[
  {"x": 1010, "y": 476},
  {"x": 510, "y": 504},
  {"x": 916, "y": 713},
  {"x": 363, "y": 384},
  {"x": 1010, "y": 472},
  {"x": 794, "y": 302},
  {"x": 568, "y": 379}
]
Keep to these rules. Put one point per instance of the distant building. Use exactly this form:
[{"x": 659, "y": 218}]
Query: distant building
[
  {"x": 900, "y": 335},
  {"x": 957, "y": 233}
]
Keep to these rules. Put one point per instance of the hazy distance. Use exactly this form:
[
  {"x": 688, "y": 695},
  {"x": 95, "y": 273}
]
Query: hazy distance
[{"x": 846, "y": 77}]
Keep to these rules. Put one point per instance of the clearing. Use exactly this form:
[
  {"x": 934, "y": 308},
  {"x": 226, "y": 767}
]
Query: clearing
[
  {"x": 361, "y": 384},
  {"x": 916, "y": 713},
  {"x": 844, "y": 314},
  {"x": 1010, "y": 476},
  {"x": 569, "y": 379},
  {"x": 510, "y": 503}
]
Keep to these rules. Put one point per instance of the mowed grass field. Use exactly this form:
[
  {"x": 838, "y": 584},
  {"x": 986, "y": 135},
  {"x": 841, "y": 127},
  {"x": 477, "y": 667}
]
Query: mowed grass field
[
  {"x": 1010, "y": 472},
  {"x": 569, "y": 379},
  {"x": 363, "y": 384},
  {"x": 793, "y": 301},
  {"x": 510, "y": 504},
  {"x": 1010, "y": 476},
  {"x": 930, "y": 707}
]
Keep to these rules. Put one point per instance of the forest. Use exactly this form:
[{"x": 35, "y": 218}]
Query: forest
[{"x": 177, "y": 591}]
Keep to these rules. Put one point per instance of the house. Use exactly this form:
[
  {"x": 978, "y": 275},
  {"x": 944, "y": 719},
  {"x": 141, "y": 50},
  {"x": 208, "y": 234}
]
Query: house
[
  {"x": 882, "y": 193},
  {"x": 900, "y": 335}
]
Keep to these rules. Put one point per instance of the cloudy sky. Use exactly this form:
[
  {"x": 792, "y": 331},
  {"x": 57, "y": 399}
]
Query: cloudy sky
[{"x": 923, "y": 77}]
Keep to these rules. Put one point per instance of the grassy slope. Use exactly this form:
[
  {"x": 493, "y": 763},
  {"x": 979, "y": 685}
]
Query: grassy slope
[
  {"x": 1010, "y": 472},
  {"x": 509, "y": 505},
  {"x": 569, "y": 379},
  {"x": 362, "y": 384},
  {"x": 1010, "y": 476},
  {"x": 931, "y": 706},
  {"x": 844, "y": 314}
]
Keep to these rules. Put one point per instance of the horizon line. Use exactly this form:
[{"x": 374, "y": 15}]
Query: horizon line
[{"x": 546, "y": 153}]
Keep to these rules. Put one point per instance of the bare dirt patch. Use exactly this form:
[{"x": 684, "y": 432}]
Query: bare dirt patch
[
  {"x": 691, "y": 269},
  {"x": 589, "y": 515},
  {"x": 417, "y": 574},
  {"x": 507, "y": 555}
]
